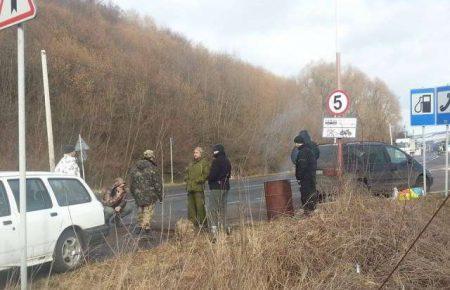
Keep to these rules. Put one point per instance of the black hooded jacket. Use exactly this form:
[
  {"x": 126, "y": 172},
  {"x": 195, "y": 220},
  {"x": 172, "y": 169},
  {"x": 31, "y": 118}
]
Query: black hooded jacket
[
  {"x": 306, "y": 163},
  {"x": 220, "y": 172}
]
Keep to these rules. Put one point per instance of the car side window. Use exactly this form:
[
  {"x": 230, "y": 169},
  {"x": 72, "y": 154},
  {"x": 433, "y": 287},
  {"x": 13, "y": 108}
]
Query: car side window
[
  {"x": 37, "y": 195},
  {"x": 375, "y": 155},
  {"x": 69, "y": 191},
  {"x": 353, "y": 157},
  {"x": 328, "y": 156},
  {"x": 5, "y": 209},
  {"x": 397, "y": 156}
]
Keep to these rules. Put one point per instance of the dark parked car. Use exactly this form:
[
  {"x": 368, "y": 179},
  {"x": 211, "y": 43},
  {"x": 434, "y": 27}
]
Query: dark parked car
[{"x": 377, "y": 166}]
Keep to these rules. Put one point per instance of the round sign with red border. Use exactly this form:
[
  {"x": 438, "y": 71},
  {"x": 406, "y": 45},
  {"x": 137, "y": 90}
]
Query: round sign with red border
[{"x": 338, "y": 103}]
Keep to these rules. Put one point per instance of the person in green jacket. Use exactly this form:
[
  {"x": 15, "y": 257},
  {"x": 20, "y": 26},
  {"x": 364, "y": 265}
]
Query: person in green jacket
[{"x": 196, "y": 176}]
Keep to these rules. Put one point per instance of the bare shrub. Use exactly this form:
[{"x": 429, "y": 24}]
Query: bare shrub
[{"x": 319, "y": 252}]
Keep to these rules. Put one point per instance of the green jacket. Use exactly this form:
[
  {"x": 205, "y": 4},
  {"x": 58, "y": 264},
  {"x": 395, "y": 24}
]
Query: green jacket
[{"x": 196, "y": 175}]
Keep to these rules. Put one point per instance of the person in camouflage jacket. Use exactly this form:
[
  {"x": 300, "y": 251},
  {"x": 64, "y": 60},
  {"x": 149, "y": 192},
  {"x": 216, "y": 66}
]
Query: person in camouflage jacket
[{"x": 146, "y": 188}]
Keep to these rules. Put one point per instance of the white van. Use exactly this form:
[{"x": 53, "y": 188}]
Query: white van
[{"x": 63, "y": 218}]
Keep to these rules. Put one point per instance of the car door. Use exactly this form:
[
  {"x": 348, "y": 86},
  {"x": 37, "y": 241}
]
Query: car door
[
  {"x": 43, "y": 221},
  {"x": 9, "y": 232},
  {"x": 400, "y": 167},
  {"x": 375, "y": 167},
  {"x": 77, "y": 205}
]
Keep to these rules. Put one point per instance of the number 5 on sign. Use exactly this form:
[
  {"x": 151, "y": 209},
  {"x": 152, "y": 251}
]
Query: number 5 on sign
[{"x": 338, "y": 103}]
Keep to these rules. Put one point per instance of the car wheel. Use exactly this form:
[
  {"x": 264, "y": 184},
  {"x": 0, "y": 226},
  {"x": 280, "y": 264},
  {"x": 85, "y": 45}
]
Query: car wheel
[{"x": 68, "y": 253}]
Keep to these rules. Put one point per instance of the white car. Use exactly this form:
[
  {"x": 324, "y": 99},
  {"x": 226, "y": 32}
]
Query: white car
[{"x": 63, "y": 218}]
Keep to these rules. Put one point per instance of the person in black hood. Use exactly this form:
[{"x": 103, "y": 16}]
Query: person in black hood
[
  {"x": 307, "y": 139},
  {"x": 305, "y": 173},
  {"x": 219, "y": 184}
]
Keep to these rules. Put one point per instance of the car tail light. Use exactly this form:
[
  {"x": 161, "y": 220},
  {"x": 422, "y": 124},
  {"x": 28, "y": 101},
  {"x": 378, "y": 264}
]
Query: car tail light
[{"x": 330, "y": 172}]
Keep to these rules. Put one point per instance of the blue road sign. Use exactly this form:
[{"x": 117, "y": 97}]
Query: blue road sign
[
  {"x": 443, "y": 105},
  {"x": 422, "y": 108}
]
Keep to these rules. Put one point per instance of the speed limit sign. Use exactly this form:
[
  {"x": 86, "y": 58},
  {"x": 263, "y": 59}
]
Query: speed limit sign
[{"x": 338, "y": 103}]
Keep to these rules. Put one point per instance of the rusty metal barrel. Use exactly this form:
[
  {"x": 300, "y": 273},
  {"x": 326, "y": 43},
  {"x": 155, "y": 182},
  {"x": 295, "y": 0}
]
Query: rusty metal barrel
[{"x": 278, "y": 198}]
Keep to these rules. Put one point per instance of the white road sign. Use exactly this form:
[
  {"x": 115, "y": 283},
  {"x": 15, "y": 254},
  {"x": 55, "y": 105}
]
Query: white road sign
[
  {"x": 339, "y": 133},
  {"x": 13, "y": 12},
  {"x": 339, "y": 122},
  {"x": 338, "y": 103}
]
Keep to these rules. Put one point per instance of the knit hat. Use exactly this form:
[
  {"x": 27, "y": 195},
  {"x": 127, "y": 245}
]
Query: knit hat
[
  {"x": 299, "y": 140},
  {"x": 218, "y": 149},
  {"x": 68, "y": 149},
  {"x": 149, "y": 154}
]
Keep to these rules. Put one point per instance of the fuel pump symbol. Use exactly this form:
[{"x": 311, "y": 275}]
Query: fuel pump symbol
[{"x": 424, "y": 105}]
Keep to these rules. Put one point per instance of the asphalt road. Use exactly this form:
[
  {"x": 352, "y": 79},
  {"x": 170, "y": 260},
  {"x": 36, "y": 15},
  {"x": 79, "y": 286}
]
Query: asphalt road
[
  {"x": 246, "y": 203},
  {"x": 436, "y": 165},
  {"x": 247, "y": 199}
]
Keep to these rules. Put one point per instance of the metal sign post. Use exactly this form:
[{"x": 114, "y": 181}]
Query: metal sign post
[
  {"x": 22, "y": 154},
  {"x": 424, "y": 165},
  {"x": 443, "y": 117},
  {"x": 338, "y": 104},
  {"x": 81, "y": 154},
  {"x": 82, "y": 147},
  {"x": 12, "y": 13},
  {"x": 446, "y": 160},
  {"x": 48, "y": 112}
]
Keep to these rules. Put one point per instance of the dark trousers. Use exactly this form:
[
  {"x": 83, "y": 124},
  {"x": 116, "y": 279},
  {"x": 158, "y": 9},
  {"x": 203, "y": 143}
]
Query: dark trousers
[{"x": 309, "y": 196}]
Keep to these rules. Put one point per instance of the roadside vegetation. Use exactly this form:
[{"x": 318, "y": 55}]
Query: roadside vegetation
[
  {"x": 320, "y": 252},
  {"x": 126, "y": 84}
]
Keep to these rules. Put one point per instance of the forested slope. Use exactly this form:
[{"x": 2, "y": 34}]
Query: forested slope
[{"x": 126, "y": 85}]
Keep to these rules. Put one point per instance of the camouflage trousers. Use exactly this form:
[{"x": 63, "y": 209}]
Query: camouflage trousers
[{"x": 145, "y": 215}]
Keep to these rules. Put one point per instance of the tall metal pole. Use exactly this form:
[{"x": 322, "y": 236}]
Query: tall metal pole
[
  {"x": 22, "y": 154},
  {"x": 390, "y": 134},
  {"x": 339, "y": 85},
  {"x": 446, "y": 160},
  {"x": 424, "y": 150},
  {"x": 48, "y": 112},
  {"x": 171, "y": 159},
  {"x": 339, "y": 140}
]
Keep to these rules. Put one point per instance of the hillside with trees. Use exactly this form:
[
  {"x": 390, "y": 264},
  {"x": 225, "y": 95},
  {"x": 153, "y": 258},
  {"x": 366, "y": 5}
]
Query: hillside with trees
[{"x": 126, "y": 85}]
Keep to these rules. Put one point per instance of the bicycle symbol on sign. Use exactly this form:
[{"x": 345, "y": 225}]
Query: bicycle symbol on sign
[
  {"x": 332, "y": 133},
  {"x": 346, "y": 133}
]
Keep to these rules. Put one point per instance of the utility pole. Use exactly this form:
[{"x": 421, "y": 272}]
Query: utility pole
[
  {"x": 171, "y": 160},
  {"x": 48, "y": 112},
  {"x": 339, "y": 87},
  {"x": 390, "y": 134},
  {"x": 339, "y": 140}
]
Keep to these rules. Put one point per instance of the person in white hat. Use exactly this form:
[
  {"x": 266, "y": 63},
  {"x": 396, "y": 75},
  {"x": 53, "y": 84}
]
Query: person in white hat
[{"x": 68, "y": 164}]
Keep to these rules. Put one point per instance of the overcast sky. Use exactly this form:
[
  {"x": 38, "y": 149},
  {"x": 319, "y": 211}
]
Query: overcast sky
[{"x": 406, "y": 43}]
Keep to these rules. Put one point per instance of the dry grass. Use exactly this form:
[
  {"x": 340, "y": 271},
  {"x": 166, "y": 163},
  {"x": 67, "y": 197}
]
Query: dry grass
[{"x": 315, "y": 253}]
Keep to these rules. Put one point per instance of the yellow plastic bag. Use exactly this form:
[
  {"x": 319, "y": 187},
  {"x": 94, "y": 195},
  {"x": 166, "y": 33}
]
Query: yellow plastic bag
[{"x": 410, "y": 193}]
